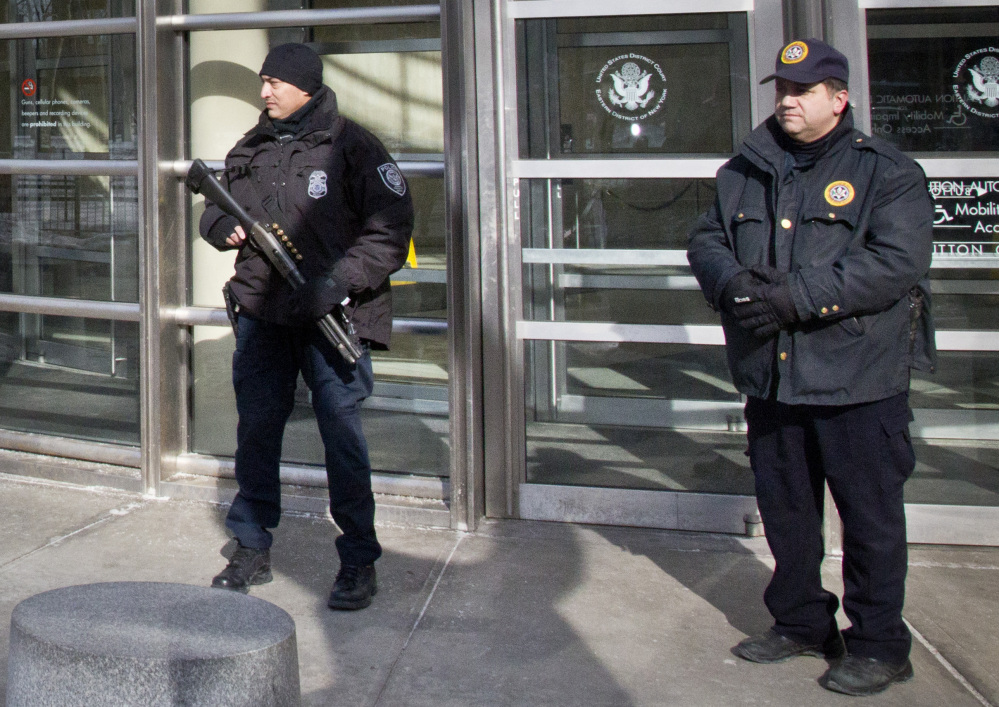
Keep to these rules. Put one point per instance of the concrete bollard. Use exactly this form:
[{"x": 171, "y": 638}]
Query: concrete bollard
[{"x": 149, "y": 643}]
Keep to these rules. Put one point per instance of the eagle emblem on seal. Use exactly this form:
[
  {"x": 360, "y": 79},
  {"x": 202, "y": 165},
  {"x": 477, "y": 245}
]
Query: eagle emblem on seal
[
  {"x": 631, "y": 87},
  {"x": 839, "y": 193},
  {"x": 986, "y": 82},
  {"x": 794, "y": 52}
]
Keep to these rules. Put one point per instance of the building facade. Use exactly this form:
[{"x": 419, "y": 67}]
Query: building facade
[{"x": 552, "y": 355}]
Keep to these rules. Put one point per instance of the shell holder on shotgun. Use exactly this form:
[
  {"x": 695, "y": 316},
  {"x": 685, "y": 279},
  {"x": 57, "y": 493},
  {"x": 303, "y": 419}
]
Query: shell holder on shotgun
[{"x": 277, "y": 218}]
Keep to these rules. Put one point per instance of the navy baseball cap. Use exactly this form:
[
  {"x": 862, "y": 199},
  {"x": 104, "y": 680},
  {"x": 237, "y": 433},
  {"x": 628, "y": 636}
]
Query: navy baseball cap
[{"x": 810, "y": 61}]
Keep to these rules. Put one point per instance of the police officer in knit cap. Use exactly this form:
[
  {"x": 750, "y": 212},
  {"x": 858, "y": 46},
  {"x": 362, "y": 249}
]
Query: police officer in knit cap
[
  {"x": 333, "y": 187},
  {"x": 295, "y": 64},
  {"x": 816, "y": 254}
]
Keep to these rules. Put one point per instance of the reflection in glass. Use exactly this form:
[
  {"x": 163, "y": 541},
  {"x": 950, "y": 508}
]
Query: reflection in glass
[
  {"x": 74, "y": 97},
  {"x": 674, "y": 84},
  {"x": 634, "y": 370},
  {"x": 405, "y": 422},
  {"x": 613, "y": 213},
  {"x": 625, "y": 295},
  {"x": 638, "y": 458},
  {"x": 934, "y": 78},
  {"x": 428, "y": 229},
  {"x": 394, "y": 90},
  {"x": 958, "y": 471},
  {"x": 964, "y": 380},
  {"x": 394, "y": 32},
  {"x": 49, "y": 10},
  {"x": 70, "y": 377},
  {"x": 600, "y": 417},
  {"x": 73, "y": 237},
  {"x": 396, "y": 95}
]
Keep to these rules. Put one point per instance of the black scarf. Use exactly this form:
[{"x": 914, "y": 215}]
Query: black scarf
[
  {"x": 805, "y": 154},
  {"x": 289, "y": 127}
]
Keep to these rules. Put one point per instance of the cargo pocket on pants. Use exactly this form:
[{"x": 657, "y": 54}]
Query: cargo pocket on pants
[{"x": 898, "y": 444}]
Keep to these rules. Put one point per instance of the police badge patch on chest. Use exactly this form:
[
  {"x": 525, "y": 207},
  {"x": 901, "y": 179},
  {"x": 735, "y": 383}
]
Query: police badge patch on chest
[
  {"x": 317, "y": 184},
  {"x": 393, "y": 178}
]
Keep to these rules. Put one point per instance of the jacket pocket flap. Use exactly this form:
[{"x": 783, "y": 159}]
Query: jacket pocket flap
[
  {"x": 821, "y": 211},
  {"x": 754, "y": 213}
]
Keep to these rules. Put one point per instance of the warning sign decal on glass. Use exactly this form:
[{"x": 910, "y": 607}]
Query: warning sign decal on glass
[{"x": 966, "y": 218}]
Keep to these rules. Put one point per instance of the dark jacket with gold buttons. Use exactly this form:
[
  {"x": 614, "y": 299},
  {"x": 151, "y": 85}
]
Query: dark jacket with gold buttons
[
  {"x": 855, "y": 233},
  {"x": 340, "y": 197}
]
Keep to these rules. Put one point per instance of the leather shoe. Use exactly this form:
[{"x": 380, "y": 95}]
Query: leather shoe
[
  {"x": 248, "y": 566},
  {"x": 354, "y": 587},
  {"x": 771, "y": 647},
  {"x": 855, "y": 675}
]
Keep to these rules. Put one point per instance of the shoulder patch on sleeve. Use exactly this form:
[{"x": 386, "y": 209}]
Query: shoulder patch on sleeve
[{"x": 392, "y": 178}]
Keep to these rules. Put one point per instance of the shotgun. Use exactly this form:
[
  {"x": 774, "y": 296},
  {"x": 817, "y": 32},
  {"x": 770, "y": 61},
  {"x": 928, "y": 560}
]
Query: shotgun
[{"x": 274, "y": 244}]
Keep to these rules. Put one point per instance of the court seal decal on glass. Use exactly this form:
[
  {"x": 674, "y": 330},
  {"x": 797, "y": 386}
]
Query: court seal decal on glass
[
  {"x": 392, "y": 178},
  {"x": 631, "y": 87},
  {"x": 976, "y": 82},
  {"x": 839, "y": 193}
]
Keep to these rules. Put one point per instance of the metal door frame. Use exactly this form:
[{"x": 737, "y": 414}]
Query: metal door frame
[
  {"x": 507, "y": 492},
  {"x": 932, "y": 523}
]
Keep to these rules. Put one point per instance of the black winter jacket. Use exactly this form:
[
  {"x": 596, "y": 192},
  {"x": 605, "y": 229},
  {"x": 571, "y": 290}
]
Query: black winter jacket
[
  {"x": 341, "y": 199},
  {"x": 855, "y": 232}
]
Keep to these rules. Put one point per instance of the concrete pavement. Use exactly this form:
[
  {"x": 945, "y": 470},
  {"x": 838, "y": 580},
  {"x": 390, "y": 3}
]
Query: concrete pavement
[{"x": 517, "y": 613}]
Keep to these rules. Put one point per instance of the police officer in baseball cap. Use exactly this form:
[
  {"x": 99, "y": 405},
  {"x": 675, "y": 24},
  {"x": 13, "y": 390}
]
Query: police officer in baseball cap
[
  {"x": 810, "y": 61},
  {"x": 825, "y": 307}
]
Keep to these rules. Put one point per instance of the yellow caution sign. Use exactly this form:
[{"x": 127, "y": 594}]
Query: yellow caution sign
[
  {"x": 411, "y": 258},
  {"x": 411, "y": 262}
]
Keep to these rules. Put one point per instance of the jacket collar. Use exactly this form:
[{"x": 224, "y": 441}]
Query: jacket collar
[
  {"x": 763, "y": 149},
  {"x": 321, "y": 118}
]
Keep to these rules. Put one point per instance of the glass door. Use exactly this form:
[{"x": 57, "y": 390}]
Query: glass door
[
  {"x": 387, "y": 76},
  {"x": 73, "y": 237},
  {"x": 621, "y": 124},
  {"x": 934, "y": 93}
]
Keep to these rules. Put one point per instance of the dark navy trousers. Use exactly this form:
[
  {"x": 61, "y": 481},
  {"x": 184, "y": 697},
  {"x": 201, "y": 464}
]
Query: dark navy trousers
[
  {"x": 865, "y": 454},
  {"x": 265, "y": 368}
]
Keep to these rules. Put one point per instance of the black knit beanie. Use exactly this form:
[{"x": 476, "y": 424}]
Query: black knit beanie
[{"x": 295, "y": 64}]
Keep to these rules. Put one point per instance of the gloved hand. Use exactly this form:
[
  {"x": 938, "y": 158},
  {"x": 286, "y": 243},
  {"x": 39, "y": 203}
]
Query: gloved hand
[
  {"x": 744, "y": 287},
  {"x": 768, "y": 273},
  {"x": 317, "y": 297},
  {"x": 770, "y": 311}
]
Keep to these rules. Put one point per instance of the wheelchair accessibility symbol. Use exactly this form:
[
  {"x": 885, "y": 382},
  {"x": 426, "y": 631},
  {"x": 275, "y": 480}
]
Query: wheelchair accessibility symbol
[{"x": 940, "y": 215}]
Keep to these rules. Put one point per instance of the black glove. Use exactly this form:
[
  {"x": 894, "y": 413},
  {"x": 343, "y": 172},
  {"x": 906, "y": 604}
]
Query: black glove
[
  {"x": 317, "y": 297},
  {"x": 744, "y": 287},
  {"x": 768, "y": 313},
  {"x": 222, "y": 229},
  {"x": 768, "y": 273}
]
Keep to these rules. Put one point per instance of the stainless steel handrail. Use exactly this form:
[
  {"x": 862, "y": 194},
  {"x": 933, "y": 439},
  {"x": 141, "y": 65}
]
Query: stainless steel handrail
[
  {"x": 83, "y": 168},
  {"x": 68, "y": 28},
  {"x": 216, "y": 316},
  {"x": 410, "y": 168},
  {"x": 299, "y": 18},
  {"x": 88, "y": 309}
]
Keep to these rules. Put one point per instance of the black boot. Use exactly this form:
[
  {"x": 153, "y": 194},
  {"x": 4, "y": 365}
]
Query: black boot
[
  {"x": 771, "y": 647},
  {"x": 354, "y": 587},
  {"x": 248, "y": 566},
  {"x": 859, "y": 676}
]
